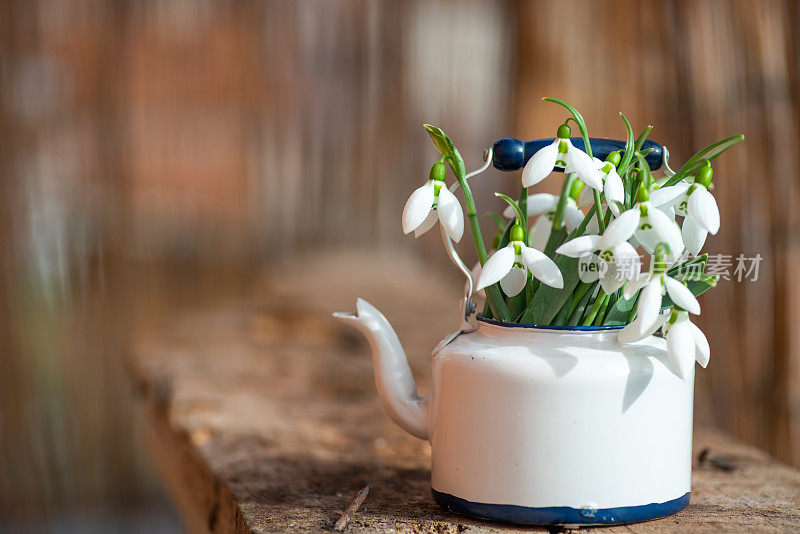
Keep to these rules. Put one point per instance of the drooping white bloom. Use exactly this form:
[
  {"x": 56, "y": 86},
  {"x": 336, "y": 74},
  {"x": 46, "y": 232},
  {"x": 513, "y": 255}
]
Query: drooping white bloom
[
  {"x": 545, "y": 204},
  {"x": 649, "y": 225},
  {"x": 613, "y": 188},
  {"x": 696, "y": 204},
  {"x": 431, "y": 202},
  {"x": 561, "y": 153},
  {"x": 686, "y": 343},
  {"x": 510, "y": 266},
  {"x": 617, "y": 262},
  {"x": 636, "y": 332},
  {"x": 655, "y": 285}
]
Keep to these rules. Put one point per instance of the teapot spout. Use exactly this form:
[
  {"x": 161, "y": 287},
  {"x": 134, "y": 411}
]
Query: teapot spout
[{"x": 396, "y": 386}]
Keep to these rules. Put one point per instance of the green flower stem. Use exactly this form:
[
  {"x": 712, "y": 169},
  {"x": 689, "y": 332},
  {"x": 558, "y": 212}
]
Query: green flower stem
[
  {"x": 648, "y": 176},
  {"x": 493, "y": 295},
  {"x": 598, "y": 302},
  {"x": 558, "y": 216},
  {"x": 577, "y": 295},
  {"x": 598, "y": 208},
  {"x": 601, "y": 314}
]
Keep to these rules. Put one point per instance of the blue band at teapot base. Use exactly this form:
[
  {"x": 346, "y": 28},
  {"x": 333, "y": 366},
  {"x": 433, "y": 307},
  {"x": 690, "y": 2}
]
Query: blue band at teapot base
[{"x": 560, "y": 515}]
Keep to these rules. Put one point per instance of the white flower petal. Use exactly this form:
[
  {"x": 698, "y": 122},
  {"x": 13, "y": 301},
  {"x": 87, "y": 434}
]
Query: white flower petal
[
  {"x": 694, "y": 237},
  {"x": 496, "y": 267},
  {"x": 540, "y": 165},
  {"x": 626, "y": 260},
  {"x": 620, "y": 229},
  {"x": 703, "y": 349},
  {"x": 703, "y": 209},
  {"x": 429, "y": 222},
  {"x": 667, "y": 196},
  {"x": 592, "y": 227},
  {"x": 542, "y": 267},
  {"x": 612, "y": 279},
  {"x": 514, "y": 281},
  {"x": 631, "y": 333},
  {"x": 681, "y": 295},
  {"x": 575, "y": 248},
  {"x": 579, "y": 162},
  {"x": 450, "y": 214},
  {"x": 635, "y": 331},
  {"x": 681, "y": 347},
  {"x": 662, "y": 230},
  {"x": 635, "y": 284},
  {"x": 541, "y": 203},
  {"x": 586, "y": 198},
  {"x": 613, "y": 187},
  {"x": 540, "y": 232},
  {"x": 669, "y": 211},
  {"x": 573, "y": 217},
  {"x": 649, "y": 305},
  {"x": 418, "y": 206}
]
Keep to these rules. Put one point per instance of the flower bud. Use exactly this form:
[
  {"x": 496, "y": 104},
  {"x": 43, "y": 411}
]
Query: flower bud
[
  {"x": 704, "y": 175},
  {"x": 614, "y": 158},
  {"x": 438, "y": 172},
  {"x": 575, "y": 189},
  {"x": 563, "y": 131},
  {"x": 517, "y": 233},
  {"x": 642, "y": 195}
]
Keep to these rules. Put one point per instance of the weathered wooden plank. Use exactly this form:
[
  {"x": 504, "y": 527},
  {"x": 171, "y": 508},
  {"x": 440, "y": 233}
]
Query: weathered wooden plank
[{"x": 263, "y": 420}]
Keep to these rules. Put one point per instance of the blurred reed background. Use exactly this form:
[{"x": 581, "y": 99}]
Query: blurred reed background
[{"x": 156, "y": 155}]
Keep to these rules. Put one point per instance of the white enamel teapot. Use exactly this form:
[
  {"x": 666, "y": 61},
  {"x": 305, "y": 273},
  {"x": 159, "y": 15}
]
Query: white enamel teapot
[{"x": 545, "y": 426}]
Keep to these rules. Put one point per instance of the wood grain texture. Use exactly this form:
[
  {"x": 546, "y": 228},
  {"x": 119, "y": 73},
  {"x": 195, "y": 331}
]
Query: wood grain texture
[{"x": 264, "y": 421}]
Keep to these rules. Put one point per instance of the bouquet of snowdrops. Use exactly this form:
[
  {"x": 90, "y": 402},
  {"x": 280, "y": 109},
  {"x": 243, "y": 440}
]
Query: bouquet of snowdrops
[{"x": 609, "y": 251}]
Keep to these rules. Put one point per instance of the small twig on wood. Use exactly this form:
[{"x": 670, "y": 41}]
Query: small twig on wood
[
  {"x": 723, "y": 463},
  {"x": 348, "y": 514}
]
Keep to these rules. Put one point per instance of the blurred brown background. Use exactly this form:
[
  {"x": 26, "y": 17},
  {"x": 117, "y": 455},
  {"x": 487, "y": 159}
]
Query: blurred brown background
[{"x": 156, "y": 155}]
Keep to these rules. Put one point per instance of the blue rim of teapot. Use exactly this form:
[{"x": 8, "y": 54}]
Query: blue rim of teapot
[{"x": 505, "y": 324}]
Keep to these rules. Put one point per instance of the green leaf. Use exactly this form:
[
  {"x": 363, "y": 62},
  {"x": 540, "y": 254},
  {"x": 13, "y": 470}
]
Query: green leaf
[
  {"x": 709, "y": 153},
  {"x": 692, "y": 265},
  {"x": 547, "y": 301},
  {"x": 440, "y": 140},
  {"x": 446, "y": 148},
  {"x": 620, "y": 311},
  {"x": 642, "y": 137},
  {"x": 580, "y": 310},
  {"x": 563, "y": 314}
]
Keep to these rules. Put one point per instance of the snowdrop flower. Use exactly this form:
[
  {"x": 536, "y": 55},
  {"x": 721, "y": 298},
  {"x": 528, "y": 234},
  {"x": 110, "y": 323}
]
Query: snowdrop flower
[
  {"x": 431, "y": 202},
  {"x": 613, "y": 188},
  {"x": 656, "y": 284},
  {"x": 696, "y": 203},
  {"x": 545, "y": 204},
  {"x": 686, "y": 343},
  {"x": 561, "y": 153},
  {"x": 510, "y": 266},
  {"x": 702, "y": 213},
  {"x": 617, "y": 262},
  {"x": 648, "y": 224}
]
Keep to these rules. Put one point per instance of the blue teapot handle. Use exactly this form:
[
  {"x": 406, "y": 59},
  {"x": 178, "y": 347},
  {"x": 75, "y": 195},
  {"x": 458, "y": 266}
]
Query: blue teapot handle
[{"x": 512, "y": 154}]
